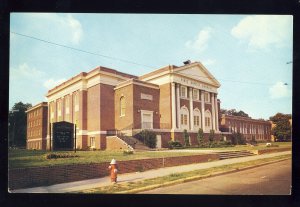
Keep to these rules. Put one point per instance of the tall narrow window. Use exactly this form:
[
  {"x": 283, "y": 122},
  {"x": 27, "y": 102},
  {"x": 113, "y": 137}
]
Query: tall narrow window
[
  {"x": 184, "y": 115},
  {"x": 92, "y": 142},
  {"x": 195, "y": 94},
  {"x": 207, "y": 120},
  {"x": 183, "y": 91},
  {"x": 197, "y": 116},
  {"x": 206, "y": 97},
  {"x": 123, "y": 106}
]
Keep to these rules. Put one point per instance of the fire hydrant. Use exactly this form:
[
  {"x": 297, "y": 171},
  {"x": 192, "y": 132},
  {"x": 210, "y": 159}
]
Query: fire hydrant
[{"x": 113, "y": 170}]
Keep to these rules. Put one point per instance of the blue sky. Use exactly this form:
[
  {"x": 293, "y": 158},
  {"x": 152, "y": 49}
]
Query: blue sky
[{"x": 247, "y": 54}]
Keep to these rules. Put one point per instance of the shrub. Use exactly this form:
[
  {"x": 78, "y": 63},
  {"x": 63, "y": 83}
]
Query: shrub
[
  {"x": 211, "y": 137},
  {"x": 200, "y": 137},
  {"x": 174, "y": 145},
  {"x": 127, "y": 152},
  {"x": 237, "y": 138},
  {"x": 60, "y": 155},
  {"x": 186, "y": 138},
  {"x": 148, "y": 138}
]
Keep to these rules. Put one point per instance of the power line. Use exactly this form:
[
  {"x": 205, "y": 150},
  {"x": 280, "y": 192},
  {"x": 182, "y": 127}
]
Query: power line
[
  {"x": 122, "y": 60},
  {"x": 80, "y": 50}
]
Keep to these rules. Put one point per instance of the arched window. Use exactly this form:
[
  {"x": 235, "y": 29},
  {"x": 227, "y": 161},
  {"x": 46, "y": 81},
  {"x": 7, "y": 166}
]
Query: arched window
[
  {"x": 197, "y": 120},
  {"x": 184, "y": 117},
  {"x": 122, "y": 106},
  {"x": 207, "y": 116}
]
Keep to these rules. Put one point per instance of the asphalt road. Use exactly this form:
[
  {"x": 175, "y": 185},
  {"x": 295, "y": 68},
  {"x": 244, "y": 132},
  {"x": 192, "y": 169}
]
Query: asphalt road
[{"x": 272, "y": 179}]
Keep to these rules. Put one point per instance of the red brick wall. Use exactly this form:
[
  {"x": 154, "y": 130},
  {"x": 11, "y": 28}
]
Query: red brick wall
[
  {"x": 264, "y": 151},
  {"x": 93, "y": 109},
  {"x": 43, "y": 176},
  {"x": 37, "y": 123},
  {"x": 144, "y": 104},
  {"x": 123, "y": 122},
  {"x": 107, "y": 107}
]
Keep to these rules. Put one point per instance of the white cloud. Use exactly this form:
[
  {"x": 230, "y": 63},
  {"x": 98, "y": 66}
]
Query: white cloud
[
  {"x": 64, "y": 28},
  {"x": 199, "y": 44},
  {"x": 51, "y": 83},
  {"x": 24, "y": 71},
  {"x": 261, "y": 31},
  {"x": 279, "y": 90}
]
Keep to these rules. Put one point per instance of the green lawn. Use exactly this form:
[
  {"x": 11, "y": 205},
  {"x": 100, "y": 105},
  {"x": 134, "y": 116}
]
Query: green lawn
[
  {"x": 246, "y": 147},
  {"x": 18, "y": 158},
  {"x": 30, "y": 158}
]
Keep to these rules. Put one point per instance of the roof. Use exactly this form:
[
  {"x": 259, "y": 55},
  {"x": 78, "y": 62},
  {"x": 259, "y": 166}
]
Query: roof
[
  {"x": 244, "y": 118},
  {"x": 42, "y": 104},
  {"x": 85, "y": 74}
]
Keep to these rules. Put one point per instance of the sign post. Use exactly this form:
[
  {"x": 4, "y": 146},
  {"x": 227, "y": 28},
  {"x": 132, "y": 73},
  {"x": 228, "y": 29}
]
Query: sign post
[{"x": 75, "y": 136}]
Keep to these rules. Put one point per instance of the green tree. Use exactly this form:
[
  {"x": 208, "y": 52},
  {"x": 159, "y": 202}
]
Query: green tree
[
  {"x": 186, "y": 138},
  {"x": 282, "y": 130},
  {"x": 234, "y": 112},
  {"x": 200, "y": 136},
  {"x": 17, "y": 124},
  {"x": 237, "y": 138},
  {"x": 211, "y": 136},
  {"x": 240, "y": 138}
]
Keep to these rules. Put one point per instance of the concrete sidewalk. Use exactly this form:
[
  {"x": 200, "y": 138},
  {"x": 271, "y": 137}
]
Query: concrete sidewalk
[{"x": 132, "y": 177}]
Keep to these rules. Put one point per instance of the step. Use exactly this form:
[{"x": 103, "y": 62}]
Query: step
[{"x": 234, "y": 154}]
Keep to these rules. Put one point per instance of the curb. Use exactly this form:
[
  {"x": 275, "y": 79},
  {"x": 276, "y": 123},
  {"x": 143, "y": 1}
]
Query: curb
[{"x": 194, "y": 178}]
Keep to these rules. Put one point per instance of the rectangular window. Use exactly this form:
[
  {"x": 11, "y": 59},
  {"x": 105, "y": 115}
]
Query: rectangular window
[
  {"x": 207, "y": 121},
  {"x": 195, "y": 94},
  {"x": 93, "y": 142},
  {"x": 206, "y": 97},
  {"x": 183, "y": 119},
  {"x": 196, "y": 120},
  {"x": 183, "y": 91}
]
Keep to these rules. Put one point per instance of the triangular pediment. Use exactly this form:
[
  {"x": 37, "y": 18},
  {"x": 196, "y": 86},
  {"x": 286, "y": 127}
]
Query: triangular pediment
[{"x": 198, "y": 72}]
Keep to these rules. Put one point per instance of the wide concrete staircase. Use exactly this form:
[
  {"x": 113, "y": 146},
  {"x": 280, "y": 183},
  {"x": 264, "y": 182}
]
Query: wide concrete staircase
[
  {"x": 234, "y": 154},
  {"x": 136, "y": 144}
]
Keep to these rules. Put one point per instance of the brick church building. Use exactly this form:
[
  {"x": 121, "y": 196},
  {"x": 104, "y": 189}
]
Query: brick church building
[{"x": 166, "y": 101}]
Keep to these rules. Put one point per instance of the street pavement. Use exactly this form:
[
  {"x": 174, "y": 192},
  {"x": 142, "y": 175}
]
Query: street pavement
[
  {"x": 132, "y": 177},
  {"x": 271, "y": 179}
]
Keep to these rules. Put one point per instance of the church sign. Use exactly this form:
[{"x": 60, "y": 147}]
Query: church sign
[{"x": 63, "y": 136}]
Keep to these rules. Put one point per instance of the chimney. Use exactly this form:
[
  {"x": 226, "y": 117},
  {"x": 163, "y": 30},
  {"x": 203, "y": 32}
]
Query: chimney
[{"x": 187, "y": 62}]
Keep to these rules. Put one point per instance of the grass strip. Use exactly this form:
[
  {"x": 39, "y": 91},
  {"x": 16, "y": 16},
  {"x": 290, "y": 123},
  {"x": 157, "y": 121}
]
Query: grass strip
[{"x": 176, "y": 178}]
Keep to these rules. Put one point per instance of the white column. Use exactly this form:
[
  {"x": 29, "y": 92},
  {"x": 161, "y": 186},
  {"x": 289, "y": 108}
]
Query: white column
[
  {"x": 191, "y": 109},
  {"x": 213, "y": 111},
  {"x": 173, "y": 106},
  {"x": 178, "y": 106},
  {"x": 202, "y": 110},
  {"x": 217, "y": 113}
]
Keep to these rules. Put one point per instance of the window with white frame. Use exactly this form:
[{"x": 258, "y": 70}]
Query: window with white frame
[
  {"x": 184, "y": 117},
  {"x": 197, "y": 116},
  {"x": 207, "y": 97},
  {"x": 146, "y": 119},
  {"x": 183, "y": 91},
  {"x": 195, "y": 94},
  {"x": 207, "y": 116},
  {"x": 92, "y": 142}
]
